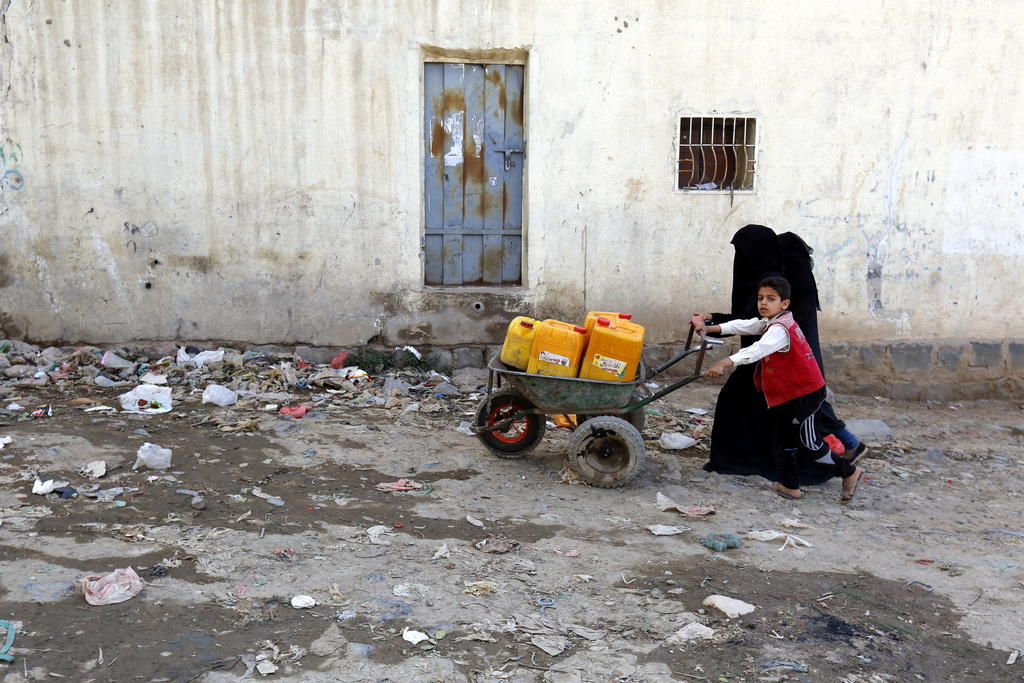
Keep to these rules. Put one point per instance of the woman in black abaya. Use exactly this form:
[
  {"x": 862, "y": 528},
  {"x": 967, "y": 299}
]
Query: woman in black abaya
[
  {"x": 796, "y": 257},
  {"x": 739, "y": 435}
]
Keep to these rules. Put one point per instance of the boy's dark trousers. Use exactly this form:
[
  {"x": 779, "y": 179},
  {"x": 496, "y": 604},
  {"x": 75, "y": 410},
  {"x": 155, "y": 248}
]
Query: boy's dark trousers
[{"x": 795, "y": 438}]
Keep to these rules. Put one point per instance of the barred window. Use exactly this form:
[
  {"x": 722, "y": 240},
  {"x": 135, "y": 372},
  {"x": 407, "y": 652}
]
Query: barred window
[{"x": 717, "y": 153}]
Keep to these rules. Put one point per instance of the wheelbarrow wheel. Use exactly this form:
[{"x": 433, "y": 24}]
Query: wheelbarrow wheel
[
  {"x": 516, "y": 439},
  {"x": 607, "y": 452},
  {"x": 637, "y": 418}
]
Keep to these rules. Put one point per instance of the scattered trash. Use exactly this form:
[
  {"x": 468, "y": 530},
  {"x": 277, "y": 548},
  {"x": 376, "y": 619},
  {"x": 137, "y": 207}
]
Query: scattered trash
[
  {"x": 414, "y": 637},
  {"x": 93, "y": 470},
  {"x": 42, "y": 411},
  {"x": 112, "y": 360},
  {"x": 1010, "y": 661},
  {"x": 399, "y": 485},
  {"x": 922, "y": 584},
  {"x": 793, "y": 524},
  {"x": 565, "y": 553},
  {"x": 697, "y": 411},
  {"x": 153, "y": 378},
  {"x": 692, "y": 631},
  {"x": 721, "y": 542},
  {"x": 45, "y": 485},
  {"x": 200, "y": 359},
  {"x": 795, "y": 666},
  {"x": 665, "y": 530},
  {"x": 219, "y": 395},
  {"x": 495, "y": 544},
  {"x": 152, "y": 456},
  {"x": 474, "y": 521},
  {"x": 297, "y": 411},
  {"x": 465, "y": 428},
  {"x": 5, "y": 655},
  {"x": 115, "y": 587},
  {"x": 410, "y": 590},
  {"x": 378, "y": 534},
  {"x": 585, "y": 632},
  {"x": 442, "y": 552},
  {"x": 338, "y": 360},
  {"x": 4, "y": 440},
  {"x": 731, "y": 607},
  {"x": 772, "y": 534},
  {"x": 147, "y": 399},
  {"x": 303, "y": 602},
  {"x": 479, "y": 587},
  {"x": 675, "y": 441},
  {"x": 665, "y": 503},
  {"x": 273, "y": 500},
  {"x": 553, "y": 645},
  {"x": 545, "y": 603}
]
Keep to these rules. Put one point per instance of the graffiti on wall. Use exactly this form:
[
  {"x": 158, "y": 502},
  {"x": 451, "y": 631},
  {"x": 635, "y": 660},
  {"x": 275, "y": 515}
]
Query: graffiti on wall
[
  {"x": 134, "y": 232},
  {"x": 10, "y": 159}
]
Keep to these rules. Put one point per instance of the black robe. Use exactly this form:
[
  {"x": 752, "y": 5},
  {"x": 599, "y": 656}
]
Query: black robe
[
  {"x": 799, "y": 265},
  {"x": 740, "y": 434}
]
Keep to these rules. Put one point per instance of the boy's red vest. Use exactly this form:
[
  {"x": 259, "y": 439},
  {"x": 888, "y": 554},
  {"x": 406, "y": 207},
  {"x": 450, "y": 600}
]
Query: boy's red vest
[{"x": 785, "y": 375}]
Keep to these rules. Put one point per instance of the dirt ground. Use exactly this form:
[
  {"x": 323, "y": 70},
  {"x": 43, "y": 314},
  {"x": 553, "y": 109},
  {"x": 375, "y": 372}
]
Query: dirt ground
[{"x": 920, "y": 577}]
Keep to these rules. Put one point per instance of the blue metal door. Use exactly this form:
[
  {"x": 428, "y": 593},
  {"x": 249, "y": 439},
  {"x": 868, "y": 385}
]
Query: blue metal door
[{"x": 473, "y": 174}]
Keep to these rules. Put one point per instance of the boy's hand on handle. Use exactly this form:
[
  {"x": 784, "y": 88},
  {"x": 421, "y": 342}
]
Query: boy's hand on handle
[
  {"x": 698, "y": 320},
  {"x": 718, "y": 368}
]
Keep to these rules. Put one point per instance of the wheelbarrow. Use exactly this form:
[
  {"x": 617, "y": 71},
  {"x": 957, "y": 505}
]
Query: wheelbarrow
[{"x": 606, "y": 448}]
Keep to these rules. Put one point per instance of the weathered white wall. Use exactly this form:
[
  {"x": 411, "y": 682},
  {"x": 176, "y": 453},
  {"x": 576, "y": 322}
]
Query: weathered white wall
[{"x": 258, "y": 164}]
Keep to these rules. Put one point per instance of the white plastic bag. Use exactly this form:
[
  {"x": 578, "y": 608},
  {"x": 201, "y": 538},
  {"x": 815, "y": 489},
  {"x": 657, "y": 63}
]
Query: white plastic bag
[
  {"x": 204, "y": 357},
  {"x": 112, "y": 360},
  {"x": 674, "y": 441},
  {"x": 200, "y": 359},
  {"x": 117, "y": 586},
  {"x": 152, "y": 456},
  {"x": 219, "y": 395},
  {"x": 147, "y": 399}
]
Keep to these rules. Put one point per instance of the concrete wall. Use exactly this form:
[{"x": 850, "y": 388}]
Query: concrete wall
[{"x": 251, "y": 171}]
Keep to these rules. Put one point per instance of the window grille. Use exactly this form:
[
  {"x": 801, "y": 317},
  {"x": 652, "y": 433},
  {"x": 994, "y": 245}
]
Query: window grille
[{"x": 717, "y": 153}]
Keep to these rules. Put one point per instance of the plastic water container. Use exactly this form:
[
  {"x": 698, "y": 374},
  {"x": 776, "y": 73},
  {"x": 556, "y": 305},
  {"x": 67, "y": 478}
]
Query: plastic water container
[
  {"x": 592, "y": 317},
  {"x": 518, "y": 342},
  {"x": 556, "y": 350},
  {"x": 613, "y": 352}
]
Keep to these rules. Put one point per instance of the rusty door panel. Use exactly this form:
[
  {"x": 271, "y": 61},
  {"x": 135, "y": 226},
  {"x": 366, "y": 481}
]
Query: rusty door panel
[{"x": 473, "y": 174}]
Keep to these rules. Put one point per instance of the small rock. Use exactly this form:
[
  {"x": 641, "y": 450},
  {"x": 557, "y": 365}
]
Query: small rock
[
  {"x": 1018, "y": 430},
  {"x": 446, "y": 389},
  {"x": 20, "y": 371},
  {"x": 197, "y": 503}
]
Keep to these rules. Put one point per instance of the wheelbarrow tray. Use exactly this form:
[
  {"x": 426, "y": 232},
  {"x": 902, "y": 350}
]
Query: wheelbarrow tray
[{"x": 568, "y": 394}]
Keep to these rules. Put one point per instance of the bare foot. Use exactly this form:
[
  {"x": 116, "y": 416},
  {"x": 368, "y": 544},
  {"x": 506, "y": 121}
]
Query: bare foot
[
  {"x": 785, "y": 492},
  {"x": 850, "y": 484}
]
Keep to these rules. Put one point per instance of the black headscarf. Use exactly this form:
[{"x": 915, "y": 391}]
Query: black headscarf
[
  {"x": 758, "y": 255},
  {"x": 796, "y": 256}
]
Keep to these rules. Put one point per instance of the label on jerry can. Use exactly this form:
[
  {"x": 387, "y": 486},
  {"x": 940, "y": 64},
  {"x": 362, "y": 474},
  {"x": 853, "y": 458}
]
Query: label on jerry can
[
  {"x": 553, "y": 358},
  {"x": 612, "y": 365}
]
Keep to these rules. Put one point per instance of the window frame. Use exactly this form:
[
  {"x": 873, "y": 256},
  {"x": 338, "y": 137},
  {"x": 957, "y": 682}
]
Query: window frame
[{"x": 751, "y": 143}]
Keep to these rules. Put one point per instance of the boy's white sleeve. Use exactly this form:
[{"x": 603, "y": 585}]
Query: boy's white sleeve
[
  {"x": 748, "y": 326},
  {"x": 775, "y": 339}
]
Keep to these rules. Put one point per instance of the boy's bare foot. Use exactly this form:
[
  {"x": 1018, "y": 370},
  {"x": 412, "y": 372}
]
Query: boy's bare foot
[
  {"x": 786, "y": 492},
  {"x": 850, "y": 484}
]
